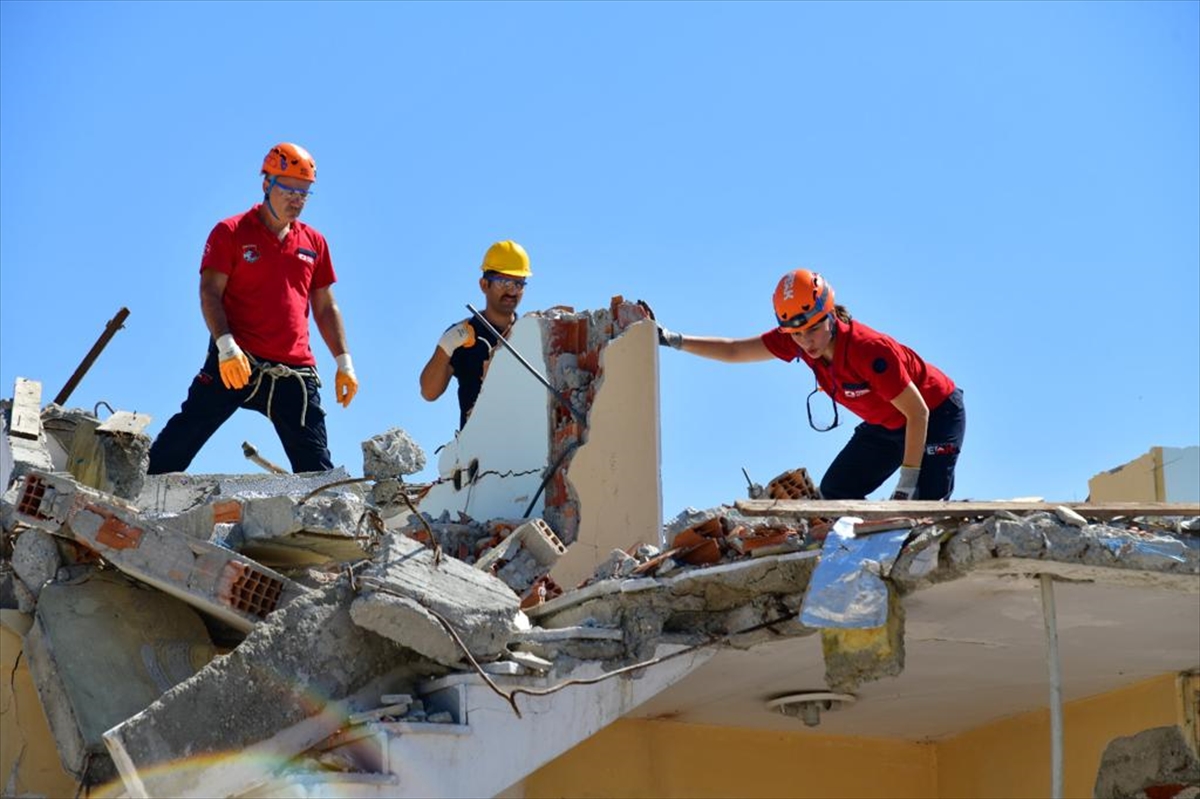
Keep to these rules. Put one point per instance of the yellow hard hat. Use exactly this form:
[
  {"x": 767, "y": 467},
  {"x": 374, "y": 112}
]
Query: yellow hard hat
[{"x": 508, "y": 258}]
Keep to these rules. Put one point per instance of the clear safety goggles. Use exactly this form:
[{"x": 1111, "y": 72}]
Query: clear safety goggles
[
  {"x": 299, "y": 194},
  {"x": 507, "y": 282}
]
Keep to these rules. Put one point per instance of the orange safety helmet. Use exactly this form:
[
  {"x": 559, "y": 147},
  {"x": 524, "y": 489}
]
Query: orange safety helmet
[
  {"x": 802, "y": 299},
  {"x": 289, "y": 160}
]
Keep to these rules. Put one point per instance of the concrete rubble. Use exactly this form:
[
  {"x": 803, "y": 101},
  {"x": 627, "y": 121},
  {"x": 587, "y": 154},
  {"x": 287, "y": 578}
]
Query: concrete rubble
[{"x": 267, "y": 621}]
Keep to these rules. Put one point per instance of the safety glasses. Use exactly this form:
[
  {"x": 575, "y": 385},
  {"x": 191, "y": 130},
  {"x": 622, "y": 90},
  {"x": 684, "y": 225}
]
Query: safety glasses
[
  {"x": 515, "y": 283},
  {"x": 300, "y": 194}
]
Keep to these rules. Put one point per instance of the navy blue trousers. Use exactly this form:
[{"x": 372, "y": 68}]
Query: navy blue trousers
[
  {"x": 209, "y": 404},
  {"x": 873, "y": 453}
]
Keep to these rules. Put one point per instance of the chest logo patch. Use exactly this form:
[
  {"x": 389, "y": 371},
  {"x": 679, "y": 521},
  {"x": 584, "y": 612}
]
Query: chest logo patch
[
  {"x": 879, "y": 365},
  {"x": 250, "y": 253},
  {"x": 852, "y": 390},
  {"x": 308, "y": 256}
]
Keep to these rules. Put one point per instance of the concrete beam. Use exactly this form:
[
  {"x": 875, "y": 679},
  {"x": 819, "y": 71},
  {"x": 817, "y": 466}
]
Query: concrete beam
[
  {"x": 230, "y": 586},
  {"x": 408, "y": 584}
]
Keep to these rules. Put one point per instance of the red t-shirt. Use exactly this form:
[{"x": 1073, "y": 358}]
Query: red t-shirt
[
  {"x": 870, "y": 370},
  {"x": 267, "y": 297}
]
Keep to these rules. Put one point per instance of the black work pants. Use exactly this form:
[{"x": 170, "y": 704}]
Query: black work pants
[
  {"x": 209, "y": 404},
  {"x": 874, "y": 452}
]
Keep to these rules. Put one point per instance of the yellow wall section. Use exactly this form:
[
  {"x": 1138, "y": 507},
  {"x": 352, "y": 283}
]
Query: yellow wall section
[
  {"x": 1140, "y": 480},
  {"x": 667, "y": 759},
  {"x": 1011, "y": 758},
  {"x": 24, "y": 732}
]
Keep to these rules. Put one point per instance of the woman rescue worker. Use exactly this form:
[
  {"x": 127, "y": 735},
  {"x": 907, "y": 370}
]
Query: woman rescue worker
[{"x": 913, "y": 414}]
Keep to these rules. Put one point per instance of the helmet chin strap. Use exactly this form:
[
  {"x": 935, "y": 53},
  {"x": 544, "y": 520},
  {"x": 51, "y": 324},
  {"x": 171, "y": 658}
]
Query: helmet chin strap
[{"x": 267, "y": 197}]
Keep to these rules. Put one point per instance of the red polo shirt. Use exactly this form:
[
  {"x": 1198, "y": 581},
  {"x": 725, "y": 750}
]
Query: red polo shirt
[
  {"x": 267, "y": 297},
  {"x": 868, "y": 371}
]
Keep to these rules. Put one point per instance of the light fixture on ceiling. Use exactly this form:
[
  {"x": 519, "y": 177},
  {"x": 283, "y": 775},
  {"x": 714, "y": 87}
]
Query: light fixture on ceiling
[{"x": 808, "y": 705}]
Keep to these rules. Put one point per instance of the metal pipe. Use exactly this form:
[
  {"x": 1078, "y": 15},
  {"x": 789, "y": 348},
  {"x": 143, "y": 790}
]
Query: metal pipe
[
  {"x": 579, "y": 417},
  {"x": 110, "y": 330},
  {"x": 251, "y": 453},
  {"x": 1056, "y": 720}
]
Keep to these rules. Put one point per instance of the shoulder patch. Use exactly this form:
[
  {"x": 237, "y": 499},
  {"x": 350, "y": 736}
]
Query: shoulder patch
[{"x": 879, "y": 365}]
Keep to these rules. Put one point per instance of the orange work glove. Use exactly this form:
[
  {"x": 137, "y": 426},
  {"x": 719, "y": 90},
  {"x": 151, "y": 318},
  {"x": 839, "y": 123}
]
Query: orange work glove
[
  {"x": 235, "y": 368},
  {"x": 345, "y": 384}
]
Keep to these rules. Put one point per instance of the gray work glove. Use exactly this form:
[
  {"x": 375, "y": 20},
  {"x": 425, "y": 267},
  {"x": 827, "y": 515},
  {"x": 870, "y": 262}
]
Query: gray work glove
[
  {"x": 906, "y": 486},
  {"x": 669, "y": 338},
  {"x": 666, "y": 338}
]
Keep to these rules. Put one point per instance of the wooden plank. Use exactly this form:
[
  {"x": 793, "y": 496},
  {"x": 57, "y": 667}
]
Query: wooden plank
[
  {"x": 871, "y": 509},
  {"x": 125, "y": 422},
  {"x": 26, "y": 409}
]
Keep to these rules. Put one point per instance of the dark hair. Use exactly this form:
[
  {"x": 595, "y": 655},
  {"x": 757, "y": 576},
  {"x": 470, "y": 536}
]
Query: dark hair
[{"x": 841, "y": 313}]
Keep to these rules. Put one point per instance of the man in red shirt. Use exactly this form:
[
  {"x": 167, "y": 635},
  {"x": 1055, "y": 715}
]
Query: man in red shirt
[
  {"x": 913, "y": 414},
  {"x": 261, "y": 273}
]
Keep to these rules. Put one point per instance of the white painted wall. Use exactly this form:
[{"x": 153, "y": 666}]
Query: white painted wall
[
  {"x": 6, "y": 458},
  {"x": 1181, "y": 474},
  {"x": 508, "y": 432}
]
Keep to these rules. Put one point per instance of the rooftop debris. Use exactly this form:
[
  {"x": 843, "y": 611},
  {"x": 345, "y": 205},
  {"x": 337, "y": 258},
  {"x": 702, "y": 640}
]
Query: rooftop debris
[{"x": 291, "y": 618}]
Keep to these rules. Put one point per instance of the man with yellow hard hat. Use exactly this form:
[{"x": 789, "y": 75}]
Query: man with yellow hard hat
[{"x": 466, "y": 347}]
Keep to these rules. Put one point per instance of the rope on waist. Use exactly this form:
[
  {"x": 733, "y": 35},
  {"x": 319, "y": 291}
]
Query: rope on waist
[{"x": 276, "y": 371}]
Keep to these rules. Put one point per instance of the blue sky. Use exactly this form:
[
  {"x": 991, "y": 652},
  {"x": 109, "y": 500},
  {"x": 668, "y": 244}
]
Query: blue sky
[{"x": 1012, "y": 189}]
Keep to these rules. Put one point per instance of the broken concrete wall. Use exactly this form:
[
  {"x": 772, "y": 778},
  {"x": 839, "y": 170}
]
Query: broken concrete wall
[
  {"x": 616, "y": 473},
  {"x": 516, "y": 456}
]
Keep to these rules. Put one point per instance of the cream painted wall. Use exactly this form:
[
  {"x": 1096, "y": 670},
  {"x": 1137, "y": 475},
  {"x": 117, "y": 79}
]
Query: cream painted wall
[
  {"x": 24, "y": 732},
  {"x": 616, "y": 472},
  {"x": 1007, "y": 760},
  {"x": 666, "y": 759},
  {"x": 1136, "y": 481}
]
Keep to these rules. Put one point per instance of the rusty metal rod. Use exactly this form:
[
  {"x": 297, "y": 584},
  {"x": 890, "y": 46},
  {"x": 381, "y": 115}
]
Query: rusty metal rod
[
  {"x": 251, "y": 453},
  {"x": 110, "y": 330}
]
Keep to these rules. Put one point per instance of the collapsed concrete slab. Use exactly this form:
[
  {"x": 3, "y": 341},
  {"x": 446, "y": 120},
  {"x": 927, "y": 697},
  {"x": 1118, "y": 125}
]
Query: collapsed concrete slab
[
  {"x": 293, "y": 682},
  {"x": 101, "y": 650},
  {"x": 177, "y": 492},
  {"x": 408, "y": 587},
  {"x": 220, "y": 582}
]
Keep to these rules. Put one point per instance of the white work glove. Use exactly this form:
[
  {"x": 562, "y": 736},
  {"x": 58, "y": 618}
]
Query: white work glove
[
  {"x": 906, "y": 486},
  {"x": 234, "y": 366},
  {"x": 460, "y": 335},
  {"x": 345, "y": 383}
]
